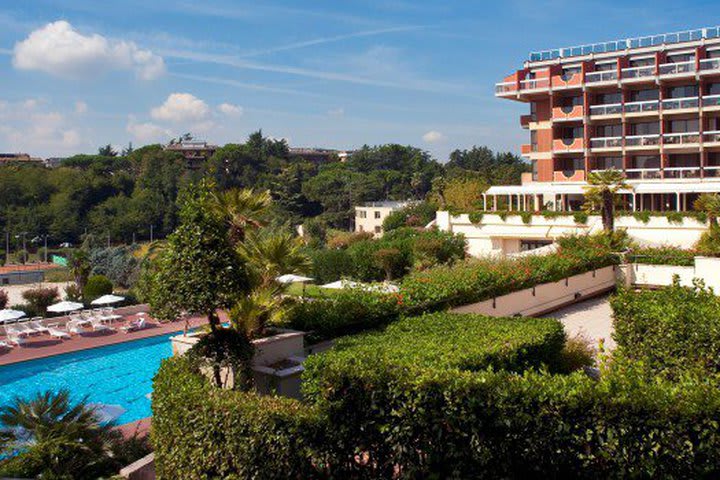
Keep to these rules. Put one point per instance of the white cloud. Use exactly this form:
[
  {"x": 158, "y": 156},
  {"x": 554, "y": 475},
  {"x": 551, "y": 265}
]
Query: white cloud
[
  {"x": 433, "y": 136},
  {"x": 336, "y": 112},
  {"x": 230, "y": 110},
  {"x": 181, "y": 107},
  {"x": 25, "y": 127},
  {"x": 81, "y": 107},
  {"x": 60, "y": 50},
  {"x": 147, "y": 132}
]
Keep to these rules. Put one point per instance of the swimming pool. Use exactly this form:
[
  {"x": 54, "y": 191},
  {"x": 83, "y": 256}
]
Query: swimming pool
[{"x": 119, "y": 374}]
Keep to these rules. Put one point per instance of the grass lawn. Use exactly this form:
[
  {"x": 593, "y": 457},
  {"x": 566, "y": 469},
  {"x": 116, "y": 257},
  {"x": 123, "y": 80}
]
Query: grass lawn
[{"x": 296, "y": 290}]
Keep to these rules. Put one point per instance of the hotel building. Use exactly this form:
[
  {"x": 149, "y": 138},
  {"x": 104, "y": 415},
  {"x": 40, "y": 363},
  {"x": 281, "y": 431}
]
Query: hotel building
[{"x": 648, "y": 106}]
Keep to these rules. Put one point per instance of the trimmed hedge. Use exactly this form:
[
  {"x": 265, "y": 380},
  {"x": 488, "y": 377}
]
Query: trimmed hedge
[
  {"x": 663, "y": 256},
  {"x": 669, "y": 329}
]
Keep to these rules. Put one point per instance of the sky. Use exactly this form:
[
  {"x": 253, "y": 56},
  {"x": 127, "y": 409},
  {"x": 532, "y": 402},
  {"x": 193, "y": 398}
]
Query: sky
[{"x": 78, "y": 74}]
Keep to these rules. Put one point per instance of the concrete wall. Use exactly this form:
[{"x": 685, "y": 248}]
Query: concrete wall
[
  {"x": 706, "y": 269},
  {"x": 493, "y": 235},
  {"x": 546, "y": 297}
]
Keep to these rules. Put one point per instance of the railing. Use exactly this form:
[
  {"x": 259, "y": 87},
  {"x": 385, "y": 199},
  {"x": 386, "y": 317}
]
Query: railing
[
  {"x": 606, "y": 76},
  {"x": 682, "y": 172},
  {"x": 642, "y": 140},
  {"x": 711, "y": 101},
  {"x": 711, "y": 136},
  {"x": 534, "y": 83},
  {"x": 677, "y": 68},
  {"x": 610, "y": 109},
  {"x": 711, "y": 171},
  {"x": 505, "y": 87},
  {"x": 678, "y": 103},
  {"x": 606, "y": 142},
  {"x": 643, "y": 173},
  {"x": 644, "y": 106},
  {"x": 638, "y": 72},
  {"x": 568, "y": 144},
  {"x": 709, "y": 64},
  {"x": 681, "y": 138}
]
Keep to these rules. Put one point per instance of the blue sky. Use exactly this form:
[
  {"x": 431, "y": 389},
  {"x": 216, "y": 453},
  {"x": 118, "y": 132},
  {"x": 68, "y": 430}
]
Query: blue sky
[{"x": 78, "y": 74}]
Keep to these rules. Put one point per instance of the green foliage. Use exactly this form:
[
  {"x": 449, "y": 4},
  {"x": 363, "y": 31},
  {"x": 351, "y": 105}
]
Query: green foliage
[
  {"x": 40, "y": 298},
  {"x": 709, "y": 242},
  {"x": 492, "y": 168},
  {"x": 119, "y": 264},
  {"x": 229, "y": 349},
  {"x": 642, "y": 216},
  {"x": 580, "y": 217},
  {"x": 417, "y": 214},
  {"x": 475, "y": 218},
  {"x": 503, "y": 215},
  {"x": 669, "y": 329},
  {"x": 97, "y": 286},
  {"x": 73, "y": 293},
  {"x": 526, "y": 217},
  {"x": 347, "y": 239},
  {"x": 329, "y": 265},
  {"x": 4, "y": 298},
  {"x": 675, "y": 217},
  {"x": 662, "y": 256},
  {"x": 392, "y": 261}
]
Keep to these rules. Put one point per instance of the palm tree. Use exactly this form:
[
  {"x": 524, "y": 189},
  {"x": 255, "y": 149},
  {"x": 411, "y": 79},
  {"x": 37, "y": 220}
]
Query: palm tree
[
  {"x": 270, "y": 254},
  {"x": 600, "y": 194},
  {"x": 242, "y": 209},
  {"x": 58, "y": 437},
  {"x": 710, "y": 204},
  {"x": 80, "y": 267},
  {"x": 262, "y": 307}
]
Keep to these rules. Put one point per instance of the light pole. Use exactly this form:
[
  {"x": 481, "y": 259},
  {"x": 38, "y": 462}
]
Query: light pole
[
  {"x": 151, "y": 233},
  {"x": 46, "y": 248},
  {"x": 23, "y": 245},
  {"x": 7, "y": 247}
]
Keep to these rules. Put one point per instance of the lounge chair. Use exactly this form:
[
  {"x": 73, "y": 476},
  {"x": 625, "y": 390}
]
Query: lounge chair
[
  {"x": 23, "y": 329},
  {"x": 109, "y": 315},
  {"x": 15, "y": 339},
  {"x": 134, "y": 325},
  {"x": 38, "y": 326},
  {"x": 98, "y": 326},
  {"x": 74, "y": 327},
  {"x": 5, "y": 345},
  {"x": 56, "y": 332},
  {"x": 16, "y": 331}
]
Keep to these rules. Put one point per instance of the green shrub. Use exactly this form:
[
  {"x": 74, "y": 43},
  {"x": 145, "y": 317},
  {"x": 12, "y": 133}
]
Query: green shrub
[
  {"x": 475, "y": 218},
  {"x": 392, "y": 261},
  {"x": 580, "y": 217},
  {"x": 663, "y": 256},
  {"x": 675, "y": 217},
  {"x": 365, "y": 269},
  {"x": 346, "y": 239},
  {"x": 671, "y": 328},
  {"x": 417, "y": 214},
  {"x": 435, "y": 248},
  {"x": 642, "y": 216},
  {"x": 526, "y": 217},
  {"x": 4, "y": 298},
  {"x": 118, "y": 264},
  {"x": 709, "y": 242},
  {"x": 330, "y": 265},
  {"x": 503, "y": 215},
  {"x": 97, "y": 286},
  {"x": 40, "y": 298}
]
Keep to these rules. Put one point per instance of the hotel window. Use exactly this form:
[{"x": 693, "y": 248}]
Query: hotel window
[
  {"x": 712, "y": 89},
  {"x": 378, "y": 229},
  {"x": 533, "y": 110},
  {"x": 608, "y": 98},
  {"x": 526, "y": 245},
  {"x": 568, "y": 72},
  {"x": 605, "y": 67},
  {"x": 684, "y": 160},
  {"x": 377, "y": 214},
  {"x": 571, "y": 101},
  {"x": 680, "y": 58},
  {"x": 569, "y": 164},
  {"x": 645, "y": 128},
  {"x": 642, "y": 62},
  {"x": 684, "y": 126},
  {"x": 682, "y": 91},
  {"x": 534, "y": 164},
  {"x": 644, "y": 95},
  {"x": 713, "y": 124},
  {"x": 605, "y": 163},
  {"x": 362, "y": 214},
  {"x": 608, "y": 131},
  {"x": 712, "y": 54},
  {"x": 533, "y": 141},
  {"x": 571, "y": 133},
  {"x": 713, "y": 159},
  {"x": 645, "y": 161}
]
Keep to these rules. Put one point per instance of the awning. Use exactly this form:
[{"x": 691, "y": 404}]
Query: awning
[
  {"x": 536, "y": 189},
  {"x": 658, "y": 186},
  {"x": 677, "y": 187}
]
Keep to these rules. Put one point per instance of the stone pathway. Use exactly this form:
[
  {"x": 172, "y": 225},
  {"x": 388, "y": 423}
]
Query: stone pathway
[{"x": 591, "y": 318}]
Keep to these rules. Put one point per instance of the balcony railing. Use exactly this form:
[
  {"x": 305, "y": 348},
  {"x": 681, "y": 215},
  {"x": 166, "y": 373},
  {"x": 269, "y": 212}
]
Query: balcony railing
[
  {"x": 568, "y": 144},
  {"x": 711, "y": 136},
  {"x": 505, "y": 87},
  {"x": 606, "y": 142},
  {"x": 682, "y": 172},
  {"x": 711, "y": 171},
  {"x": 638, "y": 72},
  {"x": 711, "y": 101},
  {"x": 534, "y": 83},
  {"x": 677, "y": 68},
  {"x": 643, "y": 173},
  {"x": 709, "y": 64},
  {"x": 681, "y": 138},
  {"x": 642, "y": 140},
  {"x": 644, "y": 106},
  {"x": 610, "y": 109},
  {"x": 680, "y": 103},
  {"x": 606, "y": 76}
]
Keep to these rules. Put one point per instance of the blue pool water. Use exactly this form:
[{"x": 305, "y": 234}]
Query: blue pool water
[{"x": 115, "y": 374}]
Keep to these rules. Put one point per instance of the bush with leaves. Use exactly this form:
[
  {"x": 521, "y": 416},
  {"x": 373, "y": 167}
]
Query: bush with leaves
[
  {"x": 116, "y": 263},
  {"x": 417, "y": 214},
  {"x": 40, "y": 298},
  {"x": 346, "y": 239},
  {"x": 4, "y": 298},
  {"x": 97, "y": 286},
  {"x": 229, "y": 349},
  {"x": 666, "y": 255},
  {"x": 329, "y": 265}
]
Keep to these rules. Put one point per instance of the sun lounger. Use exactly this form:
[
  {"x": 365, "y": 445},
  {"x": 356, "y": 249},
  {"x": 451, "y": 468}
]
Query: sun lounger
[
  {"x": 5, "y": 345},
  {"x": 56, "y": 332},
  {"x": 134, "y": 325},
  {"x": 38, "y": 326},
  {"x": 74, "y": 327},
  {"x": 15, "y": 339},
  {"x": 109, "y": 315},
  {"x": 98, "y": 326},
  {"x": 22, "y": 329},
  {"x": 17, "y": 331}
]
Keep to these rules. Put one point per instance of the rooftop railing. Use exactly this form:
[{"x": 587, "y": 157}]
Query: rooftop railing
[
  {"x": 533, "y": 83},
  {"x": 505, "y": 87},
  {"x": 624, "y": 44}
]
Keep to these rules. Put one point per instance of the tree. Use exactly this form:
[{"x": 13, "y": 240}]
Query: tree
[
  {"x": 270, "y": 254},
  {"x": 710, "y": 204},
  {"x": 107, "y": 151},
  {"x": 80, "y": 267},
  {"x": 461, "y": 194},
  {"x": 600, "y": 194},
  {"x": 242, "y": 209},
  {"x": 491, "y": 168}
]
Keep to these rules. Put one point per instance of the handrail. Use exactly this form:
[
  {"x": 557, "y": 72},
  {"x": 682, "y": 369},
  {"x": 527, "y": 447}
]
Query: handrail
[
  {"x": 684, "y": 102},
  {"x": 642, "y": 106},
  {"x": 714, "y": 63},
  {"x": 603, "y": 76},
  {"x": 615, "y": 108},
  {"x": 606, "y": 142},
  {"x": 681, "y": 137},
  {"x": 640, "y": 140},
  {"x": 675, "y": 68},
  {"x": 637, "y": 72}
]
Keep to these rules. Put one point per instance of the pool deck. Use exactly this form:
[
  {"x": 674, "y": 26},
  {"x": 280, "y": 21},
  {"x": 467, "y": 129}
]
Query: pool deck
[{"x": 43, "y": 346}]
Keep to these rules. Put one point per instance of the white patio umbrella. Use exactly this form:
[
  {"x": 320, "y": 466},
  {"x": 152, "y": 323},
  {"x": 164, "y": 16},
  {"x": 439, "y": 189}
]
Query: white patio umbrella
[
  {"x": 65, "y": 306},
  {"x": 107, "y": 299},
  {"x": 341, "y": 284},
  {"x": 7, "y": 315},
  {"x": 292, "y": 278}
]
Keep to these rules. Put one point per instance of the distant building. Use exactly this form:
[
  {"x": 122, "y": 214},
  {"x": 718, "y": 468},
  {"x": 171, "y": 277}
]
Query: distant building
[
  {"x": 18, "y": 158},
  {"x": 53, "y": 162},
  {"x": 370, "y": 217},
  {"x": 319, "y": 155},
  {"x": 196, "y": 153}
]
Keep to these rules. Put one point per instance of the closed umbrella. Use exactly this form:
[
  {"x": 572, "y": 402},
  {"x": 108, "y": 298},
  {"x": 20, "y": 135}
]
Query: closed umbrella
[
  {"x": 7, "y": 315},
  {"x": 292, "y": 278},
  {"x": 107, "y": 300},
  {"x": 65, "y": 306}
]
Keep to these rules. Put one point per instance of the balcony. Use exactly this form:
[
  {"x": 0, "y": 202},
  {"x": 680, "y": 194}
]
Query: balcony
[
  {"x": 601, "y": 77},
  {"x": 711, "y": 171},
  {"x": 526, "y": 119},
  {"x": 569, "y": 176},
  {"x": 643, "y": 173},
  {"x": 712, "y": 136},
  {"x": 534, "y": 84},
  {"x": 642, "y": 141},
  {"x": 610, "y": 109},
  {"x": 567, "y": 81},
  {"x": 562, "y": 145},
  {"x": 710, "y": 101},
  {"x": 677, "y": 69},
  {"x": 505, "y": 88},
  {"x": 638, "y": 73},
  {"x": 709, "y": 65},
  {"x": 606, "y": 143},
  {"x": 647, "y": 106},
  {"x": 570, "y": 112},
  {"x": 682, "y": 172},
  {"x": 681, "y": 139},
  {"x": 680, "y": 103}
]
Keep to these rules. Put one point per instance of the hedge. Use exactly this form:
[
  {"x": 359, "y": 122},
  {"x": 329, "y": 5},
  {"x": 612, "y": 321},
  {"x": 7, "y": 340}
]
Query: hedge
[
  {"x": 388, "y": 405},
  {"x": 669, "y": 329},
  {"x": 663, "y": 256}
]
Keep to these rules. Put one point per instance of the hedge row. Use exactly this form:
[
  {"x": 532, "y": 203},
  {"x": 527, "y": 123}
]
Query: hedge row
[
  {"x": 423, "y": 400},
  {"x": 663, "y": 256},
  {"x": 669, "y": 329}
]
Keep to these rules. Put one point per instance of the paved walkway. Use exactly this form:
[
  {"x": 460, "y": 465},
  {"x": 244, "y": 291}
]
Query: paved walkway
[{"x": 591, "y": 318}]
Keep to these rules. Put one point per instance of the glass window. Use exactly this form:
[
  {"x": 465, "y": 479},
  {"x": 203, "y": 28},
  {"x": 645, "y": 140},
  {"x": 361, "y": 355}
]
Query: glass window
[
  {"x": 712, "y": 54},
  {"x": 571, "y": 101},
  {"x": 378, "y": 229},
  {"x": 572, "y": 132},
  {"x": 533, "y": 109},
  {"x": 608, "y": 98},
  {"x": 684, "y": 160},
  {"x": 680, "y": 57},
  {"x": 377, "y": 214},
  {"x": 566, "y": 164},
  {"x": 683, "y": 126},
  {"x": 533, "y": 140},
  {"x": 642, "y": 62},
  {"x": 713, "y": 124},
  {"x": 645, "y": 128},
  {"x": 644, "y": 95},
  {"x": 682, "y": 91},
  {"x": 713, "y": 159},
  {"x": 605, "y": 163},
  {"x": 362, "y": 214},
  {"x": 712, "y": 89},
  {"x": 534, "y": 170},
  {"x": 645, "y": 161},
  {"x": 608, "y": 130},
  {"x": 604, "y": 67}
]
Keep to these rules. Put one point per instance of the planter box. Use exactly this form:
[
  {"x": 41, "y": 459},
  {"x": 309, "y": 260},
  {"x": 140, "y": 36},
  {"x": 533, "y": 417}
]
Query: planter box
[{"x": 547, "y": 296}]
